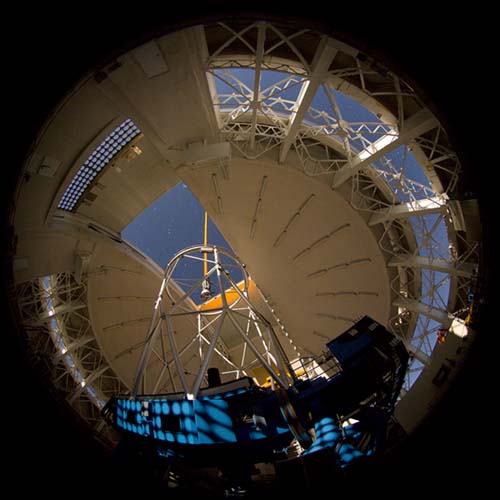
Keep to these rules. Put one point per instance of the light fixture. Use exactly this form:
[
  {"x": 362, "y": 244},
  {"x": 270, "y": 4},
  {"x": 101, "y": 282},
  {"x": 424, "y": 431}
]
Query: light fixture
[{"x": 97, "y": 160}]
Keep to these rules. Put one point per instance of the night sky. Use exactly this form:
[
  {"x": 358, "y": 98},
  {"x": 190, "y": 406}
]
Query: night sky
[
  {"x": 174, "y": 221},
  {"x": 170, "y": 224}
]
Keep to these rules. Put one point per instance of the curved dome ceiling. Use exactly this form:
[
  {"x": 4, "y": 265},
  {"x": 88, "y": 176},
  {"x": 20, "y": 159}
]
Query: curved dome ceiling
[{"x": 325, "y": 172}]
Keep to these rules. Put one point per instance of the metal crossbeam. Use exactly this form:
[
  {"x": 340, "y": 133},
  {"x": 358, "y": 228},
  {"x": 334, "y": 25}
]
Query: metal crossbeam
[
  {"x": 88, "y": 382},
  {"x": 413, "y": 305},
  {"x": 60, "y": 309},
  {"x": 417, "y": 207},
  {"x": 319, "y": 70},
  {"x": 418, "y": 354},
  {"x": 463, "y": 269},
  {"x": 74, "y": 345},
  {"x": 75, "y": 357},
  {"x": 419, "y": 123},
  {"x": 261, "y": 37}
]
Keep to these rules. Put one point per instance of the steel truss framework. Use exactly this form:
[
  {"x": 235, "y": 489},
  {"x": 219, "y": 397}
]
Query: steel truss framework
[
  {"x": 55, "y": 317},
  {"x": 209, "y": 342},
  {"x": 417, "y": 223},
  {"x": 399, "y": 165}
]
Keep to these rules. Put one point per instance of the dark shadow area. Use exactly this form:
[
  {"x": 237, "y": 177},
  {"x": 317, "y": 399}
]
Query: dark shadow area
[{"x": 44, "y": 446}]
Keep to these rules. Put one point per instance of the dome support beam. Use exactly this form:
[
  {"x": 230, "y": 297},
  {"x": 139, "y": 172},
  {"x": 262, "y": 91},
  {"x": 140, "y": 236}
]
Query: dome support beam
[
  {"x": 418, "y": 354},
  {"x": 416, "y": 125},
  {"x": 88, "y": 382},
  {"x": 74, "y": 345},
  {"x": 59, "y": 310},
  {"x": 259, "y": 55},
  {"x": 428, "y": 206},
  {"x": 463, "y": 269},
  {"x": 415, "y": 306},
  {"x": 322, "y": 61}
]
